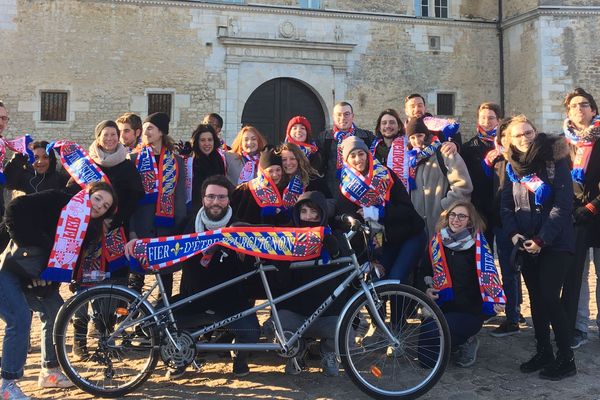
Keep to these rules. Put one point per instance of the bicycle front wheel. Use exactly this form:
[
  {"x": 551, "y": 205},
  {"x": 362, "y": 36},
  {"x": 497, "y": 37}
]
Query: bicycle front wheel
[
  {"x": 94, "y": 358},
  {"x": 377, "y": 366}
]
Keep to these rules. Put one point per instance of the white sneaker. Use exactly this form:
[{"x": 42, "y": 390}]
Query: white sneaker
[
  {"x": 11, "y": 391},
  {"x": 53, "y": 378}
]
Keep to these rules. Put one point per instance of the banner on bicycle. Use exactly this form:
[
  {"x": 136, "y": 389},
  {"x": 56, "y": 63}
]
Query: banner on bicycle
[{"x": 273, "y": 243}]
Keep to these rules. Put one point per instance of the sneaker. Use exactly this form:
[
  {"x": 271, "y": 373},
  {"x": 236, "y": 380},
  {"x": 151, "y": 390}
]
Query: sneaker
[
  {"x": 176, "y": 373},
  {"x": 563, "y": 367},
  {"x": 53, "y": 378},
  {"x": 579, "y": 338},
  {"x": 468, "y": 352},
  {"x": 294, "y": 366},
  {"x": 240, "y": 367},
  {"x": 506, "y": 329},
  {"x": 541, "y": 359},
  {"x": 80, "y": 353},
  {"x": 329, "y": 364},
  {"x": 11, "y": 391}
]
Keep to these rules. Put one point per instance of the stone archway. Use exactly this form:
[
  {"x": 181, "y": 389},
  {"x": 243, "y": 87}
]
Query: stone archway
[{"x": 272, "y": 104}]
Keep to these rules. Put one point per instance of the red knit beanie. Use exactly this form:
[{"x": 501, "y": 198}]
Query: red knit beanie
[{"x": 298, "y": 119}]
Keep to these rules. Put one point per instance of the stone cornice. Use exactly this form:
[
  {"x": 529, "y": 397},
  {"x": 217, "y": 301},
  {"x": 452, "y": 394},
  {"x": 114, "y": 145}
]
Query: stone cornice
[
  {"x": 554, "y": 11},
  {"x": 337, "y": 14},
  {"x": 285, "y": 44}
]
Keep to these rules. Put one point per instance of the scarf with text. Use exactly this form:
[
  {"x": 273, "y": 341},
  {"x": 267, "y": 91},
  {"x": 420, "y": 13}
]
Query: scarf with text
[
  {"x": 265, "y": 193},
  {"x": 293, "y": 191},
  {"x": 84, "y": 171},
  {"x": 397, "y": 158},
  {"x": 70, "y": 232},
  {"x": 159, "y": 183},
  {"x": 272, "y": 243},
  {"x": 416, "y": 157},
  {"x": 339, "y": 136},
  {"x": 444, "y": 126},
  {"x": 308, "y": 148},
  {"x": 249, "y": 168},
  {"x": 188, "y": 162},
  {"x": 584, "y": 143},
  {"x": 17, "y": 145},
  {"x": 370, "y": 190},
  {"x": 490, "y": 286},
  {"x": 533, "y": 183}
]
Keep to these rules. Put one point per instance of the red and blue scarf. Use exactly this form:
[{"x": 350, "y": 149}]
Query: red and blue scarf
[
  {"x": 84, "y": 171},
  {"x": 307, "y": 148},
  {"x": 265, "y": 193},
  {"x": 490, "y": 286},
  {"x": 249, "y": 168},
  {"x": 339, "y": 136},
  {"x": 18, "y": 145},
  {"x": 397, "y": 158},
  {"x": 370, "y": 190},
  {"x": 159, "y": 183},
  {"x": 442, "y": 125},
  {"x": 272, "y": 243},
  {"x": 584, "y": 146},
  {"x": 488, "y": 136},
  {"x": 533, "y": 183},
  {"x": 293, "y": 191},
  {"x": 416, "y": 157},
  {"x": 491, "y": 158}
]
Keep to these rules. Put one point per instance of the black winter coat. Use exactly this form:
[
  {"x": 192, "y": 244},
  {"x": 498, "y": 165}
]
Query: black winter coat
[
  {"x": 473, "y": 152},
  {"x": 463, "y": 272},
  {"x": 20, "y": 175}
]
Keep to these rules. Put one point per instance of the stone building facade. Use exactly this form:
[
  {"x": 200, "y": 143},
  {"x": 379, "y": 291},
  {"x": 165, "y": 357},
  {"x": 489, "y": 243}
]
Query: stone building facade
[{"x": 111, "y": 56}]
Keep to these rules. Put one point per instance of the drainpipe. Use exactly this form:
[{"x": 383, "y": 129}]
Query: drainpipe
[{"x": 501, "y": 53}]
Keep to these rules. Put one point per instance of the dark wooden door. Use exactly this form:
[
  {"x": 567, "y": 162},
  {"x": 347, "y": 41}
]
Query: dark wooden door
[{"x": 275, "y": 102}]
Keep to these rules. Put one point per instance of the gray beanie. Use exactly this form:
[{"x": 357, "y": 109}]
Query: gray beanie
[{"x": 352, "y": 143}]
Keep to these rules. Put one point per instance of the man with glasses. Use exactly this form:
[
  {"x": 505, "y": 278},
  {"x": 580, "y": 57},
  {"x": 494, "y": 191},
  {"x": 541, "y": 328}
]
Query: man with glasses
[
  {"x": 582, "y": 130},
  {"x": 212, "y": 268},
  {"x": 329, "y": 143}
]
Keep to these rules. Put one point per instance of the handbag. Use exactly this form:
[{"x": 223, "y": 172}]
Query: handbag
[{"x": 26, "y": 262}]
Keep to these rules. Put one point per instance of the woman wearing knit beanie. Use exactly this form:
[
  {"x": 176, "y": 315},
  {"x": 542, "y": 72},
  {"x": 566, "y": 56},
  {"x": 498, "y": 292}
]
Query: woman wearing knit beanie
[
  {"x": 299, "y": 132},
  {"x": 162, "y": 209}
]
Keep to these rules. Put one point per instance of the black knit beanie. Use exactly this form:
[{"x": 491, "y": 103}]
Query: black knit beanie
[
  {"x": 416, "y": 125},
  {"x": 160, "y": 120},
  {"x": 268, "y": 157}
]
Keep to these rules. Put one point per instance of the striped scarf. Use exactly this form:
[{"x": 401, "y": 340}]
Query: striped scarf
[
  {"x": 265, "y": 193},
  {"x": 339, "y": 136},
  {"x": 584, "y": 144},
  {"x": 533, "y": 183},
  {"x": 248, "y": 171},
  {"x": 159, "y": 183},
  {"x": 488, "y": 136},
  {"x": 416, "y": 157},
  {"x": 397, "y": 158},
  {"x": 307, "y": 148},
  {"x": 370, "y": 190},
  {"x": 490, "y": 286}
]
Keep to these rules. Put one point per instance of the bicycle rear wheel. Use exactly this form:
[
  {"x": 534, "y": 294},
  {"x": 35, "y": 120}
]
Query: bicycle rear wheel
[
  {"x": 370, "y": 359},
  {"x": 95, "y": 363}
]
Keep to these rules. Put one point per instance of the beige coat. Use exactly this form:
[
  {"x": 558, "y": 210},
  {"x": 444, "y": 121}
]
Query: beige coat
[{"x": 436, "y": 192}]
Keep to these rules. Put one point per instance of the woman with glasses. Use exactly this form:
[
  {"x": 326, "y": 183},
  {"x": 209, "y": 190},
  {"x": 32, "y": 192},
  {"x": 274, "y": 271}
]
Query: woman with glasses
[
  {"x": 465, "y": 282},
  {"x": 536, "y": 212}
]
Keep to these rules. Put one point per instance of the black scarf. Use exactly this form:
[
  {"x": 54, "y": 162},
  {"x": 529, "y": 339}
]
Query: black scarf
[
  {"x": 534, "y": 160},
  {"x": 208, "y": 165}
]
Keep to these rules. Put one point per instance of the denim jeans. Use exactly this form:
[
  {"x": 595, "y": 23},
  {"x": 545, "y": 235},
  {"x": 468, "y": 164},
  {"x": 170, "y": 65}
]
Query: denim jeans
[
  {"x": 14, "y": 310},
  {"x": 583, "y": 309},
  {"x": 323, "y": 328},
  {"x": 400, "y": 260},
  {"x": 47, "y": 307},
  {"x": 461, "y": 325},
  {"x": 511, "y": 279}
]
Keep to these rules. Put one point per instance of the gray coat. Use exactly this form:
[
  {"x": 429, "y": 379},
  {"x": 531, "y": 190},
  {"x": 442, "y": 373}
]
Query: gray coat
[
  {"x": 234, "y": 167},
  {"x": 141, "y": 223},
  {"x": 436, "y": 192}
]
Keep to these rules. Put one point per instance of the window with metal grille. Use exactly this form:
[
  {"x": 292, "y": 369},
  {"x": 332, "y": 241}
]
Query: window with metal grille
[
  {"x": 445, "y": 104},
  {"x": 315, "y": 4},
  {"x": 160, "y": 102},
  {"x": 441, "y": 8},
  {"x": 54, "y": 106}
]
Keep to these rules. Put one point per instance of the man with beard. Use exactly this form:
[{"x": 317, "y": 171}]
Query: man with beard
[
  {"x": 582, "y": 130},
  {"x": 209, "y": 269},
  {"x": 329, "y": 143}
]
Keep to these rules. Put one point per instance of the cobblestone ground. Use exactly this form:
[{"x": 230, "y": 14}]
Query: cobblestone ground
[{"x": 494, "y": 376}]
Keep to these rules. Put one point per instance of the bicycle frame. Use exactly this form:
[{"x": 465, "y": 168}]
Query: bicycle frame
[{"x": 283, "y": 345}]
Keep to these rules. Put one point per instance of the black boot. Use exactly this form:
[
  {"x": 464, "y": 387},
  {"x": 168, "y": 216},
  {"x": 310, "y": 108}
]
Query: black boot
[
  {"x": 562, "y": 367},
  {"x": 542, "y": 358}
]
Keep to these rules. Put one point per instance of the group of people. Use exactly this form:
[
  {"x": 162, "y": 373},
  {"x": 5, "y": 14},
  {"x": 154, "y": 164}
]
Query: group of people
[{"x": 438, "y": 209}]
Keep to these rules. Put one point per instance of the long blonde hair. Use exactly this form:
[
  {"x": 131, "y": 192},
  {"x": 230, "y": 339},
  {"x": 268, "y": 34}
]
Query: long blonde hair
[
  {"x": 475, "y": 221},
  {"x": 304, "y": 168},
  {"x": 236, "y": 146}
]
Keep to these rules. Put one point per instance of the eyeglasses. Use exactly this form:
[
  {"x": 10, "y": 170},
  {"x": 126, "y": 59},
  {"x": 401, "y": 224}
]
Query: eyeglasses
[
  {"x": 5, "y": 119},
  {"x": 461, "y": 217},
  {"x": 213, "y": 197},
  {"x": 528, "y": 134},
  {"x": 583, "y": 104}
]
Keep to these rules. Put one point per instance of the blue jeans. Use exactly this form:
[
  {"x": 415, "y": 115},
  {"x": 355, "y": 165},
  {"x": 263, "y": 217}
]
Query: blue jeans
[
  {"x": 400, "y": 260},
  {"x": 462, "y": 326},
  {"x": 14, "y": 305},
  {"x": 511, "y": 279}
]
